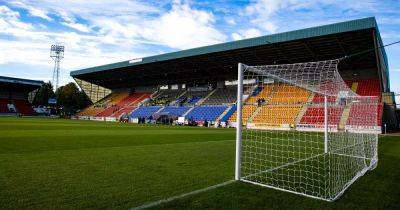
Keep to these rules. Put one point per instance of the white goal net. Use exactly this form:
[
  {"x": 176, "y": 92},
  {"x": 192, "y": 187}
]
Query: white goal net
[{"x": 301, "y": 128}]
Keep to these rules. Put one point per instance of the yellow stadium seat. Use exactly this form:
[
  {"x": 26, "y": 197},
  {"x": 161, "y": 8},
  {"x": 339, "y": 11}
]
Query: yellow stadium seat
[
  {"x": 248, "y": 110},
  {"x": 288, "y": 94},
  {"x": 277, "y": 114}
]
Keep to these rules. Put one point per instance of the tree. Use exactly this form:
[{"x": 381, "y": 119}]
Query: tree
[
  {"x": 71, "y": 99},
  {"x": 43, "y": 94}
]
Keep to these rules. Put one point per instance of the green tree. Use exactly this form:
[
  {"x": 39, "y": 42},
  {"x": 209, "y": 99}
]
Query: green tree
[
  {"x": 43, "y": 94},
  {"x": 71, "y": 99}
]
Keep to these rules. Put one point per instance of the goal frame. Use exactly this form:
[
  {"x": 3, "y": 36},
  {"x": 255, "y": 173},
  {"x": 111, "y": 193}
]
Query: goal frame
[{"x": 239, "y": 129}]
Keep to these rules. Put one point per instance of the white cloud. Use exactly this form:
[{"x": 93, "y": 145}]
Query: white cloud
[
  {"x": 100, "y": 32},
  {"x": 245, "y": 34},
  {"x": 39, "y": 13},
  {"x": 35, "y": 12},
  {"x": 183, "y": 27},
  {"x": 231, "y": 21},
  {"x": 9, "y": 20},
  {"x": 106, "y": 31}
]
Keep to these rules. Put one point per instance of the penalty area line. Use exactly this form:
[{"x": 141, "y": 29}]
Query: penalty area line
[{"x": 159, "y": 202}]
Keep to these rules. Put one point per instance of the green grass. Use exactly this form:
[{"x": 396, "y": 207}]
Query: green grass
[{"x": 65, "y": 164}]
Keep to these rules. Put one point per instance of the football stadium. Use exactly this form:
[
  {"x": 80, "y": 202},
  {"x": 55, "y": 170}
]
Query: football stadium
[{"x": 301, "y": 119}]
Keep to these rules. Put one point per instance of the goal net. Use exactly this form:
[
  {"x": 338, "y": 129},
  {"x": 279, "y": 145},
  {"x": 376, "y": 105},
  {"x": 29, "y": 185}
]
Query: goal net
[{"x": 301, "y": 128}]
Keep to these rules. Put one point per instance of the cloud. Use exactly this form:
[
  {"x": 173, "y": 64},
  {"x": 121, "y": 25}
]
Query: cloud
[
  {"x": 183, "y": 27},
  {"x": 245, "y": 34},
  {"x": 98, "y": 33},
  {"x": 10, "y": 22},
  {"x": 71, "y": 22},
  {"x": 35, "y": 12}
]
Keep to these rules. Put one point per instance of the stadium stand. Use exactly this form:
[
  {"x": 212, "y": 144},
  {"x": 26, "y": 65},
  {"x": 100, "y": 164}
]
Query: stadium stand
[
  {"x": 91, "y": 111},
  {"x": 3, "y": 106},
  {"x": 175, "y": 111},
  {"x": 165, "y": 97},
  {"x": 192, "y": 97},
  {"x": 16, "y": 94},
  {"x": 145, "y": 111},
  {"x": 287, "y": 94},
  {"x": 124, "y": 110},
  {"x": 276, "y": 115},
  {"x": 315, "y": 115},
  {"x": 248, "y": 110},
  {"x": 360, "y": 75},
  {"x": 357, "y": 115},
  {"x": 127, "y": 104},
  {"x": 106, "y": 106},
  {"x": 318, "y": 98},
  {"x": 369, "y": 87},
  {"x": 228, "y": 114},
  {"x": 23, "y": 107},
  {"x": 259, "y": 93},
  {"x": 221, "y": 96},
  {"x": 209, "y": 113}
]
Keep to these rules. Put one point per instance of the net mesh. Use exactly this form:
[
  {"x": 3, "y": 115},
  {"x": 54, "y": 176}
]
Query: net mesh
[{"x": 283, "y": 137}]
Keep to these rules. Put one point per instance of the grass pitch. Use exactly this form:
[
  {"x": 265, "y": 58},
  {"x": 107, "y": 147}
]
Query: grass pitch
[{"x": 58, "y": 164}]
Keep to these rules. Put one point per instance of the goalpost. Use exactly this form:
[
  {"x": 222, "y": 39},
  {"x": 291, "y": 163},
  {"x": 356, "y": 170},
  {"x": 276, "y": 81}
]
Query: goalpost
[{"x": 300, "y": 128}]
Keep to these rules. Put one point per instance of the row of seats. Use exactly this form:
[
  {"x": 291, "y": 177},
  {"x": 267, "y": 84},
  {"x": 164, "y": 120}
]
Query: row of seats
[
  {"x": 209, "y": 113},
  {"x": 164, "y": 97},
  {"x": 98, "y": 107},
  {"x": 22, "y": 106},
  {"x": 247, "y": 112},
  {"x": 198, "y": 113},
  {"x": 177, "y": 111},
  {"x": 288, "y": 94},
  {"x": 145, "y": 111},
  {"x": 91, "y": 111},
  {"x": 125, "y": 104},
  {"x": 277, "y": 115},
  {"x": 283, "y": 104},
  {"x": 281, "y": 113},
  {"x": 264, "y": 93},
  {"x": 316, "y": 115},
  {"x": 365, "y": 114},
  {"x": 222, "y": 96},
  {"x": 331, "y": 88},
  {"x": 369, "y": 87},
  {"x": 128, "y": 104},
  {"x": 318, "y": 98},
  {"x": 192, "y": 97},
  {"x": 115, "y": 104},
  {"x": 3, "y": 105}
]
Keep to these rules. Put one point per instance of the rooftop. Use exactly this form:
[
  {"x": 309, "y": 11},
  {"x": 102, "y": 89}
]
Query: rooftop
[{"x": 218, "y": 62}]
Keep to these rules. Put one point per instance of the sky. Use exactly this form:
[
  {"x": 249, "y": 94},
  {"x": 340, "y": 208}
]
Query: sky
[{"x": 97, "y": 32}]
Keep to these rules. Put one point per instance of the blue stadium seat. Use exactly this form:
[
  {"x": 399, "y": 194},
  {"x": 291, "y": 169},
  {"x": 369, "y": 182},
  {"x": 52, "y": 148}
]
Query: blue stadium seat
[
  {"x": 175, "y": 111},
  {"x": 229, "y": 114},
  {"x": 194, "y": 100},
  {"x": 145, "y": 111},
  {"x": 209, "y": 113}
]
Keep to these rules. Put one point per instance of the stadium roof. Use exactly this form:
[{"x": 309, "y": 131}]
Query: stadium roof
[
  {"x": 21, "y": 82},
  {"x": 219, "y": 62}
]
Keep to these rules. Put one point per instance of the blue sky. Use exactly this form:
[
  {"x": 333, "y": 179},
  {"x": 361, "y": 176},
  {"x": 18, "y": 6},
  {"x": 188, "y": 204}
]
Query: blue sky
[{"x": 99, "y": 32}]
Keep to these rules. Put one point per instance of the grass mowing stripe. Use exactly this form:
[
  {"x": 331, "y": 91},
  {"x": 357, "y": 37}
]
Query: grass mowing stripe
[
  {"x": 130, "y": 146},
  {"x": 159, "y": 202}
]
